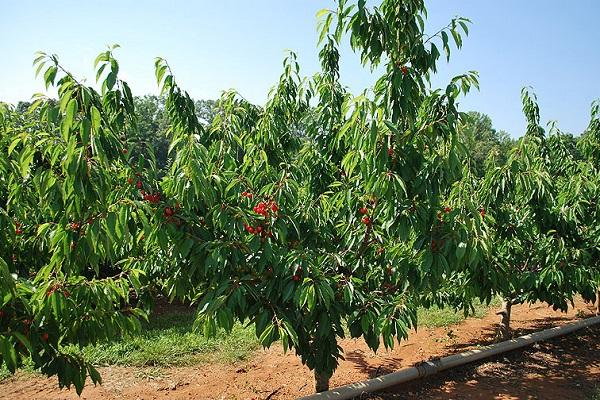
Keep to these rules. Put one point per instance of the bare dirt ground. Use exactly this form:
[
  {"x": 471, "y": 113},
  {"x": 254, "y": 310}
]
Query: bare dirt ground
[{"x": 566, "y": 368}]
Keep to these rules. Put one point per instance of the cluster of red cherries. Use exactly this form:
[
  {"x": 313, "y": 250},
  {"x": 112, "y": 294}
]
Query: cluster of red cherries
[
  {"x": 265, "y": 209},
  {"x": 152, "y": 198},
  {"x": 365, "y": 219},
  {"x": 57, "y": 288}
]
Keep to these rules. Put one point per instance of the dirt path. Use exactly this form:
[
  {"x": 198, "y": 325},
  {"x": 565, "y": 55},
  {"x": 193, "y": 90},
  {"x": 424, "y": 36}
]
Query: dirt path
[{"x": 271, "y": 373}]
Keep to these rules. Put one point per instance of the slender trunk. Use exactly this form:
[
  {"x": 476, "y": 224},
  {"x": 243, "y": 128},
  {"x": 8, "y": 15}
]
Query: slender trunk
[
  {"x": 505, "y": 319},
  {"x": 598, "y": 302},
  {"x": 321, "y": 382}
]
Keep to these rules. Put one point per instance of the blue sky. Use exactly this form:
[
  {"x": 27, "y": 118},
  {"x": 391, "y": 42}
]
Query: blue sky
[{"x": 216, "y": 45}]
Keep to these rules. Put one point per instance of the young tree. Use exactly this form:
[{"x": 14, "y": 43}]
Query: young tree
[
  {"x": 301, "y": 220},
  {"x": 536, "y": 248}
]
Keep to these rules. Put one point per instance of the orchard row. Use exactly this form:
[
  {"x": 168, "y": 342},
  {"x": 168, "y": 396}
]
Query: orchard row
[{"x": 317, "y": 214}]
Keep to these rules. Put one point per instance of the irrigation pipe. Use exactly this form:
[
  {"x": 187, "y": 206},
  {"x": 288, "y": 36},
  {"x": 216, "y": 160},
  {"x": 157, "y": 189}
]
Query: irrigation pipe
[{"x": 434, "y": 366}]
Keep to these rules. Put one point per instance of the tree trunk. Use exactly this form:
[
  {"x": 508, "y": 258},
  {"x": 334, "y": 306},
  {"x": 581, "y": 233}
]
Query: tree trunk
[
  {"x": 321, "y": 382},
  {"x": 598, "y": 302},
  {"x": 505, "y": 319}
]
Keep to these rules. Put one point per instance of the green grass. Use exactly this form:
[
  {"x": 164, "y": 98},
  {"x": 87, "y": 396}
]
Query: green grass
[
  {"x": 168, "y": 340},
  {"x": 436, "y": 317}
]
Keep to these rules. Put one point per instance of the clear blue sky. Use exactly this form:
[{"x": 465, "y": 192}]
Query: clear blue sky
[{"x": 551, "y": 45}]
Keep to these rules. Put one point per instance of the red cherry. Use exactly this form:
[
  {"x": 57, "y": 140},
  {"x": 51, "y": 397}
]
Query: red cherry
[
  {"x": 250, "y": 195},
  {"x": 404, "y": 70},
  {"x": 245, "y": 194},
  {"x": 169, "y": 212},
  {"x": 366, "y": 220},
  {"x": 390, "y": 151},
  {"x": 274, "y": 207},
  {"x": 130, "y": 181},
  {"x": 363, "y": 210},
  {"x": 125, "y": 151},
  {"x": 66, "y": 293},
  {"x": 296, "y": 278},
  {"x": 45, "y": 336},
  {"x": 139, "y": 184},
  {"x": 259, "y": 229},
  {"x": 2, "y": 314},
  {"x": 447, "y": 209}
]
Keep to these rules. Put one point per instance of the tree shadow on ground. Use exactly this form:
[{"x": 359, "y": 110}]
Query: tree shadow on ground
[
  {"x": 386, "y": 365},
  {"x": 563, "y": 368}
]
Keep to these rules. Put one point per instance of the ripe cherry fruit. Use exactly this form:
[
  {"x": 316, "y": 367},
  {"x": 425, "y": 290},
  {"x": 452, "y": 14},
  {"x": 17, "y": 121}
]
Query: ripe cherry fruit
[
  {"x": 390, "y": 152},
  {"x": 447, "y": 210},
  {"x": 404, "y": 70},
  {"x": 45, "y": 336},
  {"x": 169, "y": 212},
  {"x": 18, "y": 231},
  {"x": 363, "y": 210},
  {"x": 296, "y": 278},
  {"x": 366, "y": 220},
  {"x": 130, "y": 181},
  {"x": 139, "y": 184}
]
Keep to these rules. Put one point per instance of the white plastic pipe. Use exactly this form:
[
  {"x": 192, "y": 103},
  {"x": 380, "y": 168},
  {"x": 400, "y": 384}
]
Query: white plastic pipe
[{"x": 436, "y": 365}]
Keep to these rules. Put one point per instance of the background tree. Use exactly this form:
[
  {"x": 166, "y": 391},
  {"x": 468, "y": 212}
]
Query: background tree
[{"x": 484, "y": 143}]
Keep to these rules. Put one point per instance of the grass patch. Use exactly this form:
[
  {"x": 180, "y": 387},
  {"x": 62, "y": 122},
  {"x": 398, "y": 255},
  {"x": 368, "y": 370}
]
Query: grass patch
[
  {"x": 27, "y": 368},
  {"x": 437, "y": 317},
  {"x": 168, "y": 340}
]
